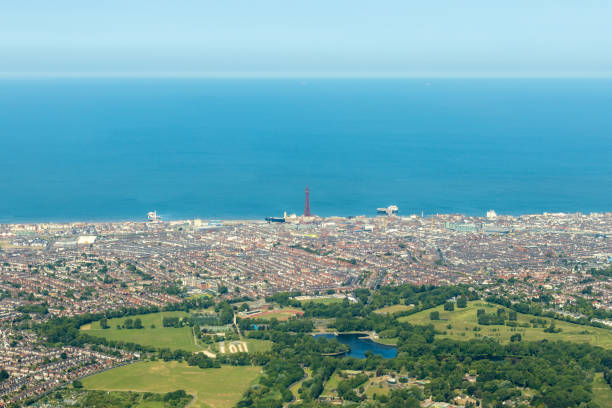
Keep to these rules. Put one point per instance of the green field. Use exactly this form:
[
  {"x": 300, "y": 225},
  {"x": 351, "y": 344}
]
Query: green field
[
  {"x": 376, "y": 387},
  {"x": 212, "y": 388},
  {"x": 463, "y": 321},
  {"x": 258, "y": 346},
  {"x": 331, "y": 385},
  {"x": 393, "y": 309},
  {"x": 323, "y": 300},
  {"x": 602, "y": 393},
  {"x": 96, "y": 398},
  {"x": 279, "y": 314},
  {"x": 389, "y": 342},
  {"x": 170, "y": 337}
]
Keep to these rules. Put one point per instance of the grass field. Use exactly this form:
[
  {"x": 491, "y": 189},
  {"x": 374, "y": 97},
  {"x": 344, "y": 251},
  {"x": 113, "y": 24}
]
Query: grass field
[
  {"x": 213, "y": 388},
  {"x": 83, "y": 398},
  {"x": 378, "y": 388},
  {"x": 602, "y": 393},
  {"x": 392, "y": 309},
  {"x": 462, "y": 322},
  {"x": 331, "y": 385},
  {"x": 170, "y": 337},
  {"x": 323, "y": 300},
  {"x": 279, "y": 314},
  {"x": 258, "y": 346}
]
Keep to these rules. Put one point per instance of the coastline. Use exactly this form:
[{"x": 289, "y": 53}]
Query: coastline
[{"x": 252, "y": 220}]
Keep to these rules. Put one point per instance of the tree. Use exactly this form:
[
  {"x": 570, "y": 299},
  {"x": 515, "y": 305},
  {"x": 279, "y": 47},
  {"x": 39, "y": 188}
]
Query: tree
[
  {"x": 4, "y": 375},
  {"x": 449, "y": 306},
  {"x": 515, "y": 337},
  {"x": 77, "y": 384},
  {"x": 104, "y": 323},
  {"x": 137, "y": 323},
  {"x": 462, "y": 302},
  {"x": 222, "y": 289},
  {"x": 434, "y": 315},
  {"x": 512, "y": 315}
]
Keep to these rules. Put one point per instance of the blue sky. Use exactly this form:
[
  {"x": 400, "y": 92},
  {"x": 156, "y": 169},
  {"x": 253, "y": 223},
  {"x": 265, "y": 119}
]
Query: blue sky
[{"x": 306, "y": 38}]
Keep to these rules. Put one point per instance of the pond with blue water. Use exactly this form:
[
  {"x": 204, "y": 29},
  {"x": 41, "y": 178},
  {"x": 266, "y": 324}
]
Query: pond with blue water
[{"x": 360, "y": 344}]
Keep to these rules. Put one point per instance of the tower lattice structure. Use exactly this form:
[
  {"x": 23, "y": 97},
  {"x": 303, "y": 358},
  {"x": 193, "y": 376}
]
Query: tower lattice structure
[{"x": 307, "y": 203}]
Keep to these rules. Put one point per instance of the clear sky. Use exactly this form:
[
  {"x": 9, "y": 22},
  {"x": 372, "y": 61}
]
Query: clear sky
[{"x": 307, "y": 38}]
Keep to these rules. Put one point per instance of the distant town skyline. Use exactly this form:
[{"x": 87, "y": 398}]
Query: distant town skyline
[{"x": 473, "y": 38}]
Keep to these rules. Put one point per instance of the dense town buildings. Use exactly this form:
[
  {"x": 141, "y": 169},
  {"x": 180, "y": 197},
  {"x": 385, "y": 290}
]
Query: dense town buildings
[{"x": 75, "y": 268}]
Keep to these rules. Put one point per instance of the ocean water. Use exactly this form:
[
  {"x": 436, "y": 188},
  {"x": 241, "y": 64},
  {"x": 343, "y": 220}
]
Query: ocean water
[{"x": 113, "y": 149}]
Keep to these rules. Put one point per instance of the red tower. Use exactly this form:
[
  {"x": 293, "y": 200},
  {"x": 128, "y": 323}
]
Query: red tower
[{"x": 307, "y": 203}]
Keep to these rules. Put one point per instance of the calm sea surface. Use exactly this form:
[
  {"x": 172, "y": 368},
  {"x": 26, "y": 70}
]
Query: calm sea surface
[{"x": 83, "y": 149}]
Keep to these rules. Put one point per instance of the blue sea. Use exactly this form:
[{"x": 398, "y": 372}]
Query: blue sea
[{"x": 113, "y": 149}]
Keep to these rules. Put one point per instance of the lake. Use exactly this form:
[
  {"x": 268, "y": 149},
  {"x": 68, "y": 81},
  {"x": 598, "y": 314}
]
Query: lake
[{"x": 359, "y": 345}]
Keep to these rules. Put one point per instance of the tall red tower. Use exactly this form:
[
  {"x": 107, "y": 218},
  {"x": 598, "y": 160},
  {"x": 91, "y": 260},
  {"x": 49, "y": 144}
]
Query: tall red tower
[{"x": 307, "y": 203}]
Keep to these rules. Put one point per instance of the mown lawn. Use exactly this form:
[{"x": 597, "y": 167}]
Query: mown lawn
[
  {"x": 463, "y": 321},
  {"x": 279, "y": 314},
  {"x": 331, "y": 385},
  {"x": 393, "y": 309},
  {"x": 323, "y": 300},
  {"x": 163, "y": 337},
  {"x": 258, "y": 346},
  {"x": 213, "y": 387},
  {"x": 602, "y": 393}
]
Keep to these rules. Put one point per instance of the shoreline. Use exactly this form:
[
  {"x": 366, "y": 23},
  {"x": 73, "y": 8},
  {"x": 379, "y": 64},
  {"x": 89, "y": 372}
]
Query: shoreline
[
  {"x": 366, "y": 335},
  {"x": 230, "y": 220}
]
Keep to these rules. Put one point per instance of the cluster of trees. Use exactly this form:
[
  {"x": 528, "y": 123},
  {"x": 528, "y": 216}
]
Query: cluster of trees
[
  {"x": 498, "y": 318},
  {"x": 560, "y": 373},
  {"x": 606, "y": 272},
  {"x": 131, "y": 324},
  {"x": 226, "y": 312},
  {"x": 133, "y": 269},
  {"x": 104, "y": 323},
  {"x": 41, "y": 308},
  {"x": 285, "y": 299},
  {"x": 91, "y": 398},
  {"x": 202, "y": 361},
  {"x": 346, "y": 387},
  {"x": 422, "y": 297},
  {"x": 173, "y": 290},
  {"x": 172, "y": 321},
  {"x": 580, "y": 305}
]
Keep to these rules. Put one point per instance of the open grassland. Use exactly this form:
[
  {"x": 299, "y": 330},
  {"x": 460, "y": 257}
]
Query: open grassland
[
  {"x": 330, "y": 386},
  {"x": 258, "y": 346},
  {"x": 325, "y": 301},
  {"x": 279, "y": 314},
  {"x": 147, "y": 320},
  {"x": 170, "y": 337},
  {"x": 95, "y": 398},
  {"x": 463, "y": 322},
  {"x": 393, "y": 309},
  {"x": 212, "y": 388},
  {"x": 602, "y": 393},
  {"x": 376, "y": 387}
]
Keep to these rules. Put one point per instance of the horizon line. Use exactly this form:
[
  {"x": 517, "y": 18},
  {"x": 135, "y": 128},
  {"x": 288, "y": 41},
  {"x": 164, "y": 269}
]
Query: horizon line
[{"x": 298, "y": 75}]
